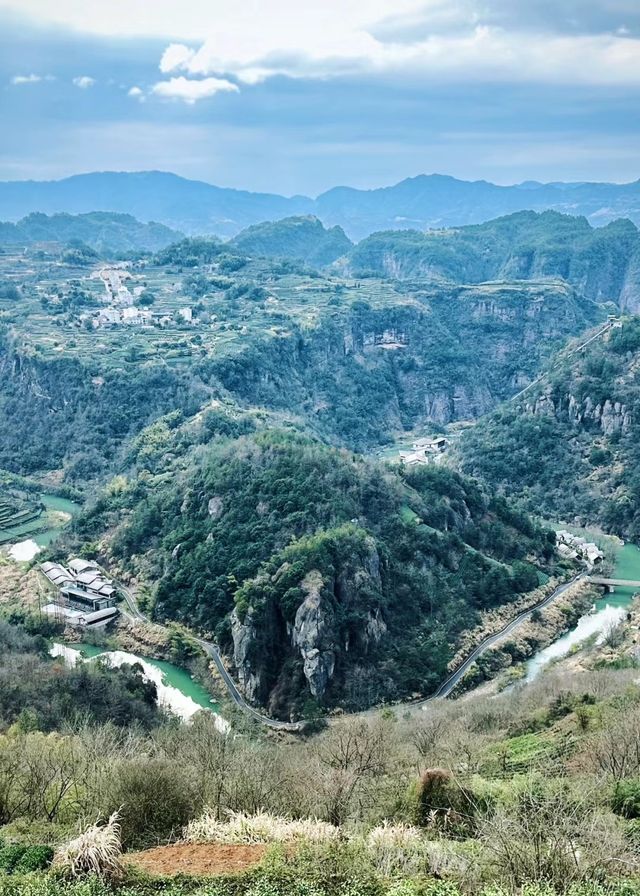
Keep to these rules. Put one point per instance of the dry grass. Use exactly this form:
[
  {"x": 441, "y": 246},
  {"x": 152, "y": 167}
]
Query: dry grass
[
  {"x": 98, "y": 850},
  {"x": 397, "y": 849},
  {"x": 259, "y": 828}
]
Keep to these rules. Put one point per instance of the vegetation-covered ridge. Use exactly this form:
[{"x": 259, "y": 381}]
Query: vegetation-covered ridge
[
  {"x": 326, "y": 577},
  {"x": 602, "y": 264},
  {"x": 356, "y": 364},
  {"x": 300, "y": 239},
  {"x": 422, "y": 202},
  {"x": 107, "y": 233},
  {"x": 569, "y": 446}
]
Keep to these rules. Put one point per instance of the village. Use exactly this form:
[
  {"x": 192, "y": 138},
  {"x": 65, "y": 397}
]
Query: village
[
  {"x": 424, "y": 451},
  {"x": 125, "y": 306}
]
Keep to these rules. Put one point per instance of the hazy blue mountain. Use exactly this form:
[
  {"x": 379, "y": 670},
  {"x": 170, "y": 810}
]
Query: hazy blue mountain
[
  {"x": 103, "y": 231},
  {"x": 187, "y": 205},
  {"x": 427, "y": 201},
  {"x": 434, "y": 201},
  {"x": 302, "y": 238}
]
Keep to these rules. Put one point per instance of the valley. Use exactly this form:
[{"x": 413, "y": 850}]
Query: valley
[
  {"x": 327, "y": 498},
  {"x": 227, "y": 486}
]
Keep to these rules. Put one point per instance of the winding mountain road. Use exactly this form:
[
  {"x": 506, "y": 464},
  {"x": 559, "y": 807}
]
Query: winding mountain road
[
  {"x": 444, "y": 690},
  {"x": 135, "y": 614}
]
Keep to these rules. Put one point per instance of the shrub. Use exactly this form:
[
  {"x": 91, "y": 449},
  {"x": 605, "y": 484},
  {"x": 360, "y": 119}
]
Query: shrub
[
  {"x": 35, "y": 858},
  {"x": 10, "y": 856},
  {"x": 444, "y": 801},
  {"x": 97, "y": 851},
  {"x": 156, "y": 799},
  {"x": 398, "y": 849},
  {"x": 626, "y": 798}
]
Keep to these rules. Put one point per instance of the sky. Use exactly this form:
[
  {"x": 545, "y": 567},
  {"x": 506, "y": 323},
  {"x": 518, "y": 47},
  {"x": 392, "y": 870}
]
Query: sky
[{"x": 297, "y": 96}]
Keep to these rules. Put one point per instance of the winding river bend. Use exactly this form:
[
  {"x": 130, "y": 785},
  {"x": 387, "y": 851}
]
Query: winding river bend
[
  {"x": 177, "y": 690},
  {"x": 608, "y": 610}
]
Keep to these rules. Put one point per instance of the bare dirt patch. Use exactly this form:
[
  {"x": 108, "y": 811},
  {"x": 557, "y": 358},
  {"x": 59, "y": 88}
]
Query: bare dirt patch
[{"x": 198, "y": 859}]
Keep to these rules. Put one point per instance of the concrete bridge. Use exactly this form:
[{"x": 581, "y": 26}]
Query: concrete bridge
[{"x": 610, "y": 584}]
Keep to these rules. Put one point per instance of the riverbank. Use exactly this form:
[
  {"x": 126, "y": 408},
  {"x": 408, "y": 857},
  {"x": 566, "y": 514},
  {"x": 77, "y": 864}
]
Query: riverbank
[
  {"x": 177, "y": 691},
  {"x": 23, "y": 543}
]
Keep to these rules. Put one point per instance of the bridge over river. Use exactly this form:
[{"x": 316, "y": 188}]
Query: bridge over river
[{"x": 611, "y": 583}]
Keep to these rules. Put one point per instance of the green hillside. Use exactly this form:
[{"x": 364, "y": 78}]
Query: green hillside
[
  {"x": 569, "y": 446},
  {"x": 299, "y": 239},
  {"x": 602, "y": 264},
  {"x": 323, "y": 575},
  {"x": 107, "y": 233}
]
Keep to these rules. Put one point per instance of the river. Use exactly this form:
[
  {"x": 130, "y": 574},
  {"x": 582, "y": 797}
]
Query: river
[
  {"x": 177, "y": 690},
  {"x": 608, "y": 610},
  {"x": 26, "y": 550}
]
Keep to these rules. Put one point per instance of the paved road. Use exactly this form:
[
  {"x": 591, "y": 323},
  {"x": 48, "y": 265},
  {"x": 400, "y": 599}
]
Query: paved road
[
  {"x": 445, "y": 689},
  {"x": 133, "y": 612},
  {"x": 449, "y": 684}
]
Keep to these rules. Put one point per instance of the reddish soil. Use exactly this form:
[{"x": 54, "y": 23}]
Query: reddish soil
[{"x": 199, "y": 859}]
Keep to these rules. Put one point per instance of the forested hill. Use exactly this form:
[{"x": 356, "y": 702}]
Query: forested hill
[
  {"x": 327, "y": 578},
  {"x": 105, "y": 232},
  {"x": 300, "y": 239},
  {"x": 602, "y": 264},
  {"x": 569, "y": 448}
]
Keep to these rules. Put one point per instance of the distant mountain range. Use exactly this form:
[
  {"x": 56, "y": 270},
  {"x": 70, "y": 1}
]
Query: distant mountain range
[{"x": 421, "y": 203}]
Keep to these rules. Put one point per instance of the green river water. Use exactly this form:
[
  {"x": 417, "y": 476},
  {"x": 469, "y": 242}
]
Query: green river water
[
  {"x": 53, "y": 502},
  {"x": 174, "y": 676},
  {"x": 181, "y": 690},
  {"x": 607, "y": 611}
]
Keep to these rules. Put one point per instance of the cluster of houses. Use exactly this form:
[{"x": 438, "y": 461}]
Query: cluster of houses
[
  {"x": 118, "y": 293},
  {"x": 424, "y": 451},
  {"x": 85, "y": 597},
  {"x": 112, "y": 316},
  {"x": 573, "y": 547}
]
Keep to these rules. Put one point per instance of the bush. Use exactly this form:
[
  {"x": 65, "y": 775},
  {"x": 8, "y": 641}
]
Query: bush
[
  {"x": 10, "y": 857},
  {"x": 626, "y": 799},
  {"x": 97, "y": 851},
  {"x": 259, "y": 828},
  {"x": 155, "y": 800},
  {"x": 35, "y": 858}
]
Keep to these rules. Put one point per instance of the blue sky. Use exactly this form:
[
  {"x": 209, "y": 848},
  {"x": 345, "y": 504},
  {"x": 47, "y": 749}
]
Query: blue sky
[{"x": 268, "y": 96}]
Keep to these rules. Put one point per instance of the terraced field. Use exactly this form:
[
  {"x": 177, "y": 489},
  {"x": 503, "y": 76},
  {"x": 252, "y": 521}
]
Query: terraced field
[{"x": 18, "y": 517}]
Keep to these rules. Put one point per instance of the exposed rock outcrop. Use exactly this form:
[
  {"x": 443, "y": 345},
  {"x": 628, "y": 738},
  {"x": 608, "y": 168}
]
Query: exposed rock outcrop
[
  {"x": 609, "y": 415},
  {"x": 314, "y": 636}
]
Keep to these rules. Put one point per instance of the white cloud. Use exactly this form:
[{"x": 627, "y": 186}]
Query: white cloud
[
  {"x": 176, "y": 56},
  {"x": 84, "y": 82},
  {"x": 190, "y": 91},
  {"x": 26, "y": 79},
  {"x": 544, "y": 41},
  {"x": 135, "y": 92},
  {"x": 432, "y": 39}
]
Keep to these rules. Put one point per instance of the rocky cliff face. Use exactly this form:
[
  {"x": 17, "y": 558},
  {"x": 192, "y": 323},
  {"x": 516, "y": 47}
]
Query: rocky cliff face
[
  {"x": 313, "y": 635},
  {"x": 316, "y": 638},
  {"x": 609, "y": 416},
  {"x": 569, "y": 446},
  {"x": 437, "y": 356}
]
